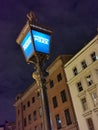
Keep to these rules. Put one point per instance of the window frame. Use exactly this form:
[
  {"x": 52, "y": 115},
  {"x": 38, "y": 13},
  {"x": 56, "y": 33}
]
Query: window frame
[
  {"x": 63, "y": 95},
  {"x": 68, "y": 116},
  {"x": 75, "y": 71},
  {"x": 58, "y": 121},
  {"x": 79, "y": 86},
  {"x": 55, "y": 103},
  {"x": 83, "y": 64}
]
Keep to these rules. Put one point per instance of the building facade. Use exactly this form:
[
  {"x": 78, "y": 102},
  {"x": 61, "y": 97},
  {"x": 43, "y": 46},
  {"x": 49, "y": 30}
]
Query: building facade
[
  {"x": 29, "y": 112},
  {"x": 82, "y": 79},
  {"x": 28, "y": 109},
  {"x": 60, "y": 105}
]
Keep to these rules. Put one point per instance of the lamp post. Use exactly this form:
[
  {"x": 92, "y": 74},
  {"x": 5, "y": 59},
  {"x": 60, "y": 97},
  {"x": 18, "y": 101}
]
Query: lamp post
[{"x": 35, "y": 42}]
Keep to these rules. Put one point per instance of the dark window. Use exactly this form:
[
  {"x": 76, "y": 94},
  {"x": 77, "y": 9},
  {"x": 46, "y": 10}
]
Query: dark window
[
  {"x": 68, "y": 117},
  {"x": 79, "y": 86},
  {"x": 63, "y": 96},
  {"x": 38, "y": 93},
  {"x": 18, "y": 111},
  {"x": 51, "y": 83},
  {"x": 33, "y": 99},
  {"x": 55, "y": 104},
  {"x": 28, "y": 104},
  {"x": 25, "y": 122},
  {"x": 36, "y": 128},
  {"x": 59, "y": 77},
  {"x": 42, "y": 126},
  {"x": 34, "y": 115},
  {"x": 24, "y": 107},
  {"x": 83, "y": 63},
  {"x": 93, "y": 56},
  {"x": 75, "y": 71},
  {"x": 90, "y": 124},
  {"x": 29, "y": 118},
  {"x": 18, "y": 125},
  {"x": 58, "y": 121}
]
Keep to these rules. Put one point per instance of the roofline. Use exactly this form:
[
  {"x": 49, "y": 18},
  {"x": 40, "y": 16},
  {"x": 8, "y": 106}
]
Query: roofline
[{"x": 82, "y": 50}]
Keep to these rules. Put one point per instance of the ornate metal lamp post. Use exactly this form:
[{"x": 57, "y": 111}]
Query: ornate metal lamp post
[{"x": 35, "y": 43}]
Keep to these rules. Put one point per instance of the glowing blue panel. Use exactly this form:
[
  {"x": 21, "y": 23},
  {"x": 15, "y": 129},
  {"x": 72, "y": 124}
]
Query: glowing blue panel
[
  {"x": 41, "y": 41},
  {"x": 27, "y": 46}
]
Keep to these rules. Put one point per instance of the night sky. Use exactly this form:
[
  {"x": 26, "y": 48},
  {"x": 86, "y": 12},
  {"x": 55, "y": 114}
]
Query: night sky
[{"x": 74, "y": 23}]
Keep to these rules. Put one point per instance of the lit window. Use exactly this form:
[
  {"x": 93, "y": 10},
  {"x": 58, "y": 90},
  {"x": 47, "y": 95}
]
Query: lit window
[
  {"x": 59, "y": 77},
  {"x": 75, "y": 71},
  {"x": 79, "y": 86},
  {"x": 94, "y": 98},
  {"x": 68, "y": 117},
  {"x": 89, "y": 80},
  {"x": 83, "y": 63},
  {"x": 93, "y": 56},
  {"x": 90, "y": 124},
  {"x": 84, "y": 103},
  {"x": 58, "y": 121}
]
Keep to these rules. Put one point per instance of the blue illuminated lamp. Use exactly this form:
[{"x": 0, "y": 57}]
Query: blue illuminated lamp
[{"x": 34, "y": 39}]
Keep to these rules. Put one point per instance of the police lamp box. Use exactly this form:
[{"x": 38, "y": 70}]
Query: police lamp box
[{"x": 35, "y": 39}]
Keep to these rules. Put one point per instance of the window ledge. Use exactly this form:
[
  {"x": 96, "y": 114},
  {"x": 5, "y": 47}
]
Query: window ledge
[{"x": 86, "y": 113}]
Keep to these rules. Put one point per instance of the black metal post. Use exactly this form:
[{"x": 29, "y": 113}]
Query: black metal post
[{"x": 38, "y": 76}]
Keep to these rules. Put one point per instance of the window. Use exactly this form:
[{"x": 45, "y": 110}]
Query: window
[
  {"x": 83, "y": 63},
  {"x": 93, "y": 56},
  {"x": 29, "y": 118},
  {"x": 63, "y": 96},
  {"x": 84, "y": 104},
  {"x": 18, "y": 125},
  {"x": 24, "y": 107},
  {"x": 28, "y": 103},
  {"x": 90, "y": 124},
  {"x": 51, "y": 83},
  {"x": 42, "y": 126},
  {"x": 89, "y": 80},
  {"x": 36, "y": 127},
  {"x": 68, "y": 117},
  {"x": 94, "y": 98},
  {"x": 59, "y": 77},
  {"x": 25, "y": 122},
  {"x": 34, "y": 115},
  {"x": 55, "y": 104},
  {"x": 58, "y": 121},
  {"x": 38, "y": 93},
  {"x": 33, "y": 99},
  {"x": 18, "y": 112},
  {"x": 40, "y": 111},
  {"x": 75, "y": 71},
  {"x": 79, "y": 86}
]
